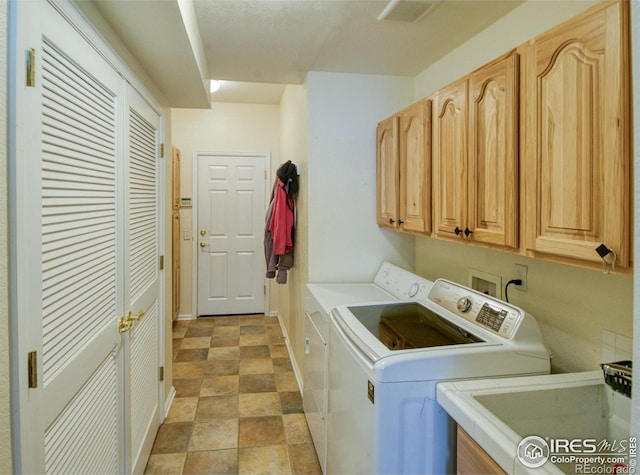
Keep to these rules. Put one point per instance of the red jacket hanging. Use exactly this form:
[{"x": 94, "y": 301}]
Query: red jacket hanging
[{"x": 281, "y": 225}]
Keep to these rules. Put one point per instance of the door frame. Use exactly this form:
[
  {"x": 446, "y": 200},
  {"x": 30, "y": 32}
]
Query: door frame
[{"x": 266, "y": 156}]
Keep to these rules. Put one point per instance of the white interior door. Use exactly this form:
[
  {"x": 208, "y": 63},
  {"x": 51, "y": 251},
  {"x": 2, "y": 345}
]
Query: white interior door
[
  {"x": 141, "y": 289},
  {"x": 67, "y": 257},
  {"x": 231, "y": 206},
  {"x": 86, "y": 218}
]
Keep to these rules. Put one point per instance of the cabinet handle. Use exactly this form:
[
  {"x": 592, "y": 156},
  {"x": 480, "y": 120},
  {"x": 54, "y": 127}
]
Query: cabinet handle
[
  {"x": 467, "y": 231},
  {"x": 457, "y": 231},
  {"x": 400, "y": 221},
  {"x": 391, "y": 220}
]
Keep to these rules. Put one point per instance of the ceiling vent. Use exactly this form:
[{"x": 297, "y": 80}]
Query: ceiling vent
[{"x": 406, "y": 10}]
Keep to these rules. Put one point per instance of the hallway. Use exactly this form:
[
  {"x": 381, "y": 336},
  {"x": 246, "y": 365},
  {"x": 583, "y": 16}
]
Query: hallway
[{"x": 237, "y": 408}]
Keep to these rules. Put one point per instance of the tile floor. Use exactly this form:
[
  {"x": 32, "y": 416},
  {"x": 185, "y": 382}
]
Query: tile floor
[{"x": 237, "y": 408}]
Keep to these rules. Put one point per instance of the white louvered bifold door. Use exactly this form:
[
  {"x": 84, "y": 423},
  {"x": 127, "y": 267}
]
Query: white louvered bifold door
[
  {"x": 142, "y": 275},
  {"x": 68, "y": 263}
]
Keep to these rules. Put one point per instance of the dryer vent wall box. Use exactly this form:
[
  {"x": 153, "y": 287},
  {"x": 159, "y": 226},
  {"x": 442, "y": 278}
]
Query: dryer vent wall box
[{"x": 485, "y": 283}]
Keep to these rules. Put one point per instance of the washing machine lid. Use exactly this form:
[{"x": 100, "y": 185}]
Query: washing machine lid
[{"x": 411, "y": 325}]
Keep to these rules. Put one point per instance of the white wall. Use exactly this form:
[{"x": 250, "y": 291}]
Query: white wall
[
  {"x": 226, "y": 128},
  {"x": 5, "y": 407},
  {"x": 345, "y": 244},
  {"x": 574, "y": 306},
  {"x": 293, "y": 141}
]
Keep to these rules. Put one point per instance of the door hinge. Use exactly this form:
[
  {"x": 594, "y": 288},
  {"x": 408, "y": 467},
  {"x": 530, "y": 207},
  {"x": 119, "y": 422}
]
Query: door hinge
[
  {"x": 161, "y": 262},
  {"x": 265, "y": 174},
  {"x": 31, "y": 68},
  {"x": 264, "y": 289},
  {"x": 161, "y": 151},
  {"x": 32, "y": 363},
  {"x": 161, "y": 373}
]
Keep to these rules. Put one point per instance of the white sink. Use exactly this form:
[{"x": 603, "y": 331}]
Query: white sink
[
  {"x": 591, "y": 410},
  {"x": 500, "y": 413}
]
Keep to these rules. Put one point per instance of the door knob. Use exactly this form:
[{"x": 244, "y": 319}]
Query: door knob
[
  {"x": 203, "y": 232},
  {"x": 203, "y": 244}
]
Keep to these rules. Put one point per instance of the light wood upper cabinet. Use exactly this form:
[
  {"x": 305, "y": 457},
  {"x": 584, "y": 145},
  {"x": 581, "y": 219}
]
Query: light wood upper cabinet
[
  {"x": 404, "y": 169},
  {"x": 475, "y": 156},
  {"x": 415, "y": 167},
  {"x": 576, "y": 93},
  {"x": 387, "y": 172},
  {"x": 450, "y": 159}
]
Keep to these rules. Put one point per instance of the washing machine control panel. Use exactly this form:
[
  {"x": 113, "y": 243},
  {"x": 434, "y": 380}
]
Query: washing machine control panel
[
  {"x": 402, "y": 284},
  {"x": 482, "y": 310}
]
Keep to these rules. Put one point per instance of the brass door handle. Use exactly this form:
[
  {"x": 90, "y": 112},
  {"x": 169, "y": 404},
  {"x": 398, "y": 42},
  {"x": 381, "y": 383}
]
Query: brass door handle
[
  {"x": 125, "y": 323},
  {"x": 203, "y": 244}
]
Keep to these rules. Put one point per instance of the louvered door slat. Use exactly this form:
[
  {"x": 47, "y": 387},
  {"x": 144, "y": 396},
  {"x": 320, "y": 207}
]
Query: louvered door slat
[
  {"x": 70, "y": 440},
  {"x": 142, "y": 203},
  {"x": 65, "y": 128}
]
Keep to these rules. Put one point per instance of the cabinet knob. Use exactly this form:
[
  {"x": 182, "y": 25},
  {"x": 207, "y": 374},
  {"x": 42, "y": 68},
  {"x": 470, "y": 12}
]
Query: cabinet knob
[
  {"x": 457, "y": 231},
  {"x": 400, "y": 221},
  {"x": 391, "y": 220},
  {"x": 467, "y": 231}
]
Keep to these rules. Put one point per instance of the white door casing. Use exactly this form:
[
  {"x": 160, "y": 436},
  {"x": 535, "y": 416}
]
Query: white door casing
[
  {"x": 72, "y": 271},
  {"x": 229, "y": 232}
]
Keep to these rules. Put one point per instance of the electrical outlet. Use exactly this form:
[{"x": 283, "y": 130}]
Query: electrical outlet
[{"x": 521, "y": 273}]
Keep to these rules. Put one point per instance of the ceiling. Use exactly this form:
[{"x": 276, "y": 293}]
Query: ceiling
[{"x": 258, "y": 46}]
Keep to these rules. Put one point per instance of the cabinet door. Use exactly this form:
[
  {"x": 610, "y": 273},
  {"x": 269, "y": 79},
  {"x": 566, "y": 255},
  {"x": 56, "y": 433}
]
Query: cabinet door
[
  {"x": 577, "y": 137},
  {"x": 415, "y": 167},
  {"x": 449, "y": 159},
  {"x": 387, "y": 172},
  {"x": 493, "y": 153}
]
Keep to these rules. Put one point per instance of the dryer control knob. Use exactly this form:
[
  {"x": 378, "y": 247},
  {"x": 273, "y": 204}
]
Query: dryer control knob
[{"x": 464, "y": 304}]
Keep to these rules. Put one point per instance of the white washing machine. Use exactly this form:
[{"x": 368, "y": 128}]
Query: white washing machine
[
  {"x": 391, "y": 283},
  {"x": 385, "y": 360}
]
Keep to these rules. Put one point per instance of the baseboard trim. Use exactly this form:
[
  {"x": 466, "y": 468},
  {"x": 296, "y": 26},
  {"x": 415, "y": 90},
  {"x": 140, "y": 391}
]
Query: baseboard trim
[
  {"x": 294, "y": 363},
  {"x": 168, "y": 402},
  {"x": 186, "y": 316}
]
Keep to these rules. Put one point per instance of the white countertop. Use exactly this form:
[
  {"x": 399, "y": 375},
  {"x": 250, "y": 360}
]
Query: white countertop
[{"x": 498, "y": 439}]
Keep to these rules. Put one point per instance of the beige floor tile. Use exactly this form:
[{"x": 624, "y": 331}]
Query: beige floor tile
[
  {"x": 196, "y": 342},
  {"x": 256, "y": 366},
  {"x": 194, "y": 369},
  {"x": 214, "y": 434},
  {"x": 279, "y": 351},
  {"x": 183, "y": 409},
  {"x": 264, "y": 461},
  {"x": 296, "y": 429},
  {"x": 252, "y": 320},
  {"x": 219, "y": 386},
  {"x": 254, "y": 339},
  {"x": 260, "y": 404},
  {"x": 259, "y": 431},
  {"x": 217, "y": 407},
  {"x": 172, "y": 438},
  {"x": 226, "y": 331},
  {"x": 286, "y": 381},
  {"x": 304, "y": 460},
  {"x": 219, "y": 462},
  {"x": 179, "y": 332},
  {"x": 224, "y": 353},
  {"x": 236, "y": 411},
  {"x": 165, "y": 464}
]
